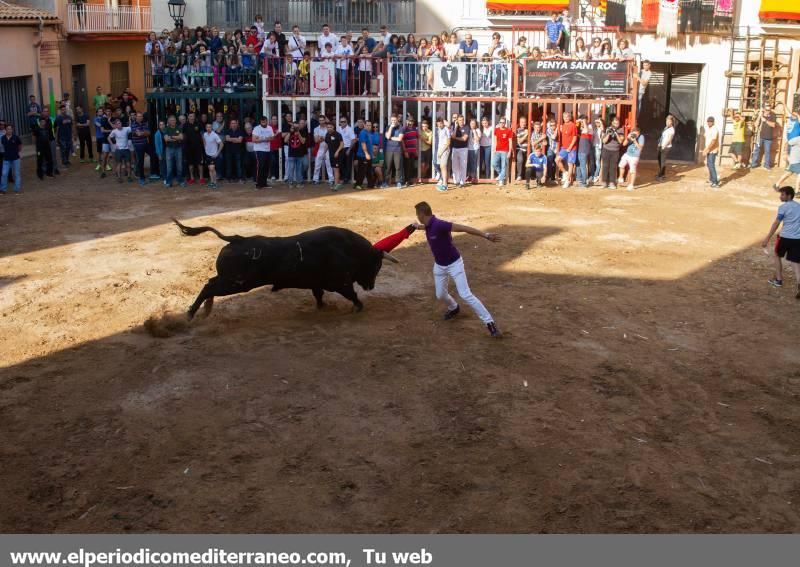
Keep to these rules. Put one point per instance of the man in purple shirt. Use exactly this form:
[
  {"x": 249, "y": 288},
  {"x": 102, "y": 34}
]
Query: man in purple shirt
[{"x": 448, "y": 264}]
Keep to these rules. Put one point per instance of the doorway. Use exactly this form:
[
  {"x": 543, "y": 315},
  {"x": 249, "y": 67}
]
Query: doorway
[
  {"x": 674, "y": 88},
  {"x": 79, "y": 94}
]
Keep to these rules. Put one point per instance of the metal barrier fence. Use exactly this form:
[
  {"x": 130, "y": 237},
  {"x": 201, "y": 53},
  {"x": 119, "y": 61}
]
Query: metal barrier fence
[
  {"x": 92, "y": 18},
  {"x": 341, "y": 15},
  {"x": 361, "y": 76},
  {"x": 448, "y": 79},
  {"x": 200, "y": 73}
]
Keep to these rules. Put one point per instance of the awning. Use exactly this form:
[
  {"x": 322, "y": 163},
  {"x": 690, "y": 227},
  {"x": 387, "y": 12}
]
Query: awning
[
  {"x": 779, "y": 10},
  {"x": 527, "y": 5}
]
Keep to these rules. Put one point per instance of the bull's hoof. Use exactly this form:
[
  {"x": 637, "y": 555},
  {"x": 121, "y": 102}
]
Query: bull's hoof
[{"x": 358, "y": 307}]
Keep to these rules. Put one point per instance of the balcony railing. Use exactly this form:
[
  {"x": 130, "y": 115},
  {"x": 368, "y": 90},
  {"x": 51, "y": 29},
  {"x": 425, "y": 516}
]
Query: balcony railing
[
  {"x": 92, "y": 18},
  {"x": 359, "y": 77},
  {"x": 192, "y": 73},
  {"x": 341, "y": 15},
  {"x": 442, "y": 79}
]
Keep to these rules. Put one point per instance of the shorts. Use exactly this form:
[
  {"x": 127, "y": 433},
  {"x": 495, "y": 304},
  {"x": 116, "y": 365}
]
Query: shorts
[
  {"x": 208, "y": 160},
  {"x": 571, "y": 156},
  {"x": 426, "y": 156},
  {"x": 629, "y": 160},
  {"x": 340, "y": 161},
  {"x": 100, "y": 146},
  {"x": 793, "y": 168},
  {"x": 737, "y": 148},
  {"x": 122, "y": 155},
  {"x": 788, "y": 247}
]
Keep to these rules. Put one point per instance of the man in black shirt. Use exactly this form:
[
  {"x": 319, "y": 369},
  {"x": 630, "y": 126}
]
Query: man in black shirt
[
  {"x": 234, "y": 148},
  {"x": 193, "y": 147},
  {"x": 337, "y": 153},
  {"x": 43, "y": 133}
]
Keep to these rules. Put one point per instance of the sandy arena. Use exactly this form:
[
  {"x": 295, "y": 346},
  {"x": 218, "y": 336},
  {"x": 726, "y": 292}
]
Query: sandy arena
[{"x": 648, "y": 380}]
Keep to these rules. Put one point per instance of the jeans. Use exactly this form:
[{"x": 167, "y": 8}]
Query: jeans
[
  {"x": 9, "y": 166},
  {"x": 85, "y": 141},
  {"x": 140, "y": 153},
  {"x": 233, "y": 162},
  {"x": 294, "y": 169},
  {"x": 663, "y": 154},
  {"x": 582, "y": 169},
  {"x": 455, "y": 271},
  {"x": 500, "y": 164},
  {"x": 598, "y": 152},
  {"x": 522, "y": 157},
  {"x": 341, "y": 76},
  {"x": 766, "y": 145},
  {"x": 162, "y": 165},
  {"x": 174, "y": 164},
  {"x": 394, "y": 159},
  {"x": 473, "y": 157},
  {"x": 65, "y": 145},
  {"x": 486, "y": 161},
  {"x": 610, "y": 166},
  {"x": 712, "y": 168}
]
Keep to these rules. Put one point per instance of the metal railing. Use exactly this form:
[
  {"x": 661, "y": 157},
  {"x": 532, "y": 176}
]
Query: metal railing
[
  {"x": 193, "y": 73},
  {"x": 537, "y": 37},
  {"x": 434, "y": 79},
  {"x": 352, "y": 77},
  {"x": 341, "y": 15},
  {"x": 94, "y": 18}
]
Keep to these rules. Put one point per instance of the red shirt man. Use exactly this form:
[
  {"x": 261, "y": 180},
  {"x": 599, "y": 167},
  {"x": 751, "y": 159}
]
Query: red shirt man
[{"x": 502, "y": 136}]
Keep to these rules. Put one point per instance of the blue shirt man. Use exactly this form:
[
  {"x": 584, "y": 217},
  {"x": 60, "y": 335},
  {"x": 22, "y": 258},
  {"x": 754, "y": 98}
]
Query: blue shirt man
[
  {"x": 553, "y": 28},
  {"x": 365, "y": 138}
]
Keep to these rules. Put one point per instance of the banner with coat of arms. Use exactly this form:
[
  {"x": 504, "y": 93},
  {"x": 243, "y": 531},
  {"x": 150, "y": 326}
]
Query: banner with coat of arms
[{"x": 323, "y": 78}]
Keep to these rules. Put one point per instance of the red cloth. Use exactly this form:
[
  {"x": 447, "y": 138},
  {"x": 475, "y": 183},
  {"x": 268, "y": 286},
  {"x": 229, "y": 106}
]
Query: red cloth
[{"x": 392, "y": 241}]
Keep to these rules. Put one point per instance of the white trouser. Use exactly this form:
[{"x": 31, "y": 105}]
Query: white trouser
[
  {"x": 455, "y": 271},
  {"x": 460, "y": 156},
  {"x": 322, "y": 156}
]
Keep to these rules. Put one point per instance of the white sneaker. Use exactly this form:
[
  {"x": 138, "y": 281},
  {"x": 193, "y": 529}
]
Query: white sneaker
[
  {"x": 631, "y": 187},
  {"x": 620, "y": 181},
  {"x": 612, "y": 186},
  {"x": 565, "y": 183}
]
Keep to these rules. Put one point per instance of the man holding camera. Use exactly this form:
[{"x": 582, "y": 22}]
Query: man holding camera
[{"x": 612, "y": 142}]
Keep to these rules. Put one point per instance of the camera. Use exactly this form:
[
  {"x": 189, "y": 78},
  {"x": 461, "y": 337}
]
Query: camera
[
  {"x": 632, "y": 136},
  {"x": 611, "y": 131}
]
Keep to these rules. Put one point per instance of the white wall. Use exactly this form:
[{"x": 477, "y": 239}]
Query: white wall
[{"x": 195, "y": 14}]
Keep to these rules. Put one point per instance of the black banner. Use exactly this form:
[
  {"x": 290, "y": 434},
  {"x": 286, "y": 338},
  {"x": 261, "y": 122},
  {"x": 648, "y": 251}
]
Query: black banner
[{"x": 564, "y": 76}]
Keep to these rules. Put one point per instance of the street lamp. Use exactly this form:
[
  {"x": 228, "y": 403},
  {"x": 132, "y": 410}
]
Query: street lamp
[{"x": 177, "y": 8}]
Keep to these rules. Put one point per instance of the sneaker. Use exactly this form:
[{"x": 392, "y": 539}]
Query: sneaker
[
  {"x": 182, "y": 184},
  {"x": 528, "y": 186},
  {"x": 565, "y": 183},
  {"x": 493, "y": 330},
  {"x": 98, "y": 167},
  {"x": 612, "y": 186},
  {"x": 109, "y": 168},
  {"x": 336, "y": 187},
  {"x": 452, "y": 313},
  {"x": 715, "y": 185},
  {"x": 202, "y": 181},
  {"x": 775, "y": 282},
  {"x": 399, "y": 185},
  {"x": 631, "y": 188},
  {"x": 441, "y": 188},
  {"x": 142, "y": 182},
  {"x": 358, "y": 188},
  {"x": 191, "y": 182},
  {"x": 620, "y": 181}
]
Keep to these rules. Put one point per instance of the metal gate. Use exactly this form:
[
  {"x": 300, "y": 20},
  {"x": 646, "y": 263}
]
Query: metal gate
[{"x": 14, "y": 103}]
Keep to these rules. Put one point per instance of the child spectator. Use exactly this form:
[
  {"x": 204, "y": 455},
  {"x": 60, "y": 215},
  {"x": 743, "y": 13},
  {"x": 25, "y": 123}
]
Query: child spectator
[
  {"x": 536, "y": 168},
  {"x": 289, "y": 75}
]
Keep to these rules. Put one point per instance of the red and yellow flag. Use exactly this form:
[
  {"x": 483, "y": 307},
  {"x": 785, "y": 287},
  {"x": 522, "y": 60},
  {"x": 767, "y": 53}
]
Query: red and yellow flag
[
  {"x": 514, "y": 5},
  {"x": 779, "y": 10}
]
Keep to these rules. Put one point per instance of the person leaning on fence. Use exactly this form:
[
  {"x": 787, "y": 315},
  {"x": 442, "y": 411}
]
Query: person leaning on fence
[{"x": 442, "y": 152}]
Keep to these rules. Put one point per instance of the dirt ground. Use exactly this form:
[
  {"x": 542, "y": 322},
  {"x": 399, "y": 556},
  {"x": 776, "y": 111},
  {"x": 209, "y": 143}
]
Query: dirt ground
[{"x": 648, "y": 380}]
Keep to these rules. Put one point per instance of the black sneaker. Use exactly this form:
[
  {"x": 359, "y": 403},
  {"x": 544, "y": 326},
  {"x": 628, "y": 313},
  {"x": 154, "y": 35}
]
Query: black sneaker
[
  {"x": 493, "y": 330},
  {"x": 452, "y": 313},
  {"x": 775, "y": 282}
]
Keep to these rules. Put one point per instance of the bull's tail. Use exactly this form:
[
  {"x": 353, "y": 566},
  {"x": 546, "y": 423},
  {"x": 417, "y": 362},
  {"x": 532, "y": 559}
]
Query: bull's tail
[{"x": 194, "y": 231}]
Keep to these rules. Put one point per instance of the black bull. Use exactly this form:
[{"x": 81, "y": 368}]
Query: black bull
[{"x": 324, "y": 259}]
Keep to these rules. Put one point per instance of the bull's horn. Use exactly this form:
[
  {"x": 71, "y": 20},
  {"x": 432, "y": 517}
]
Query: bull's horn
[{"x": 391, "y": 258}]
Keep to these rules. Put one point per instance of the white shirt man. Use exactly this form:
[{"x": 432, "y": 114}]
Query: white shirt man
[
  {"x": 211, "y": 143},
  {"x": 119, "y": 136},
  {"x": 261, "y": 137},
  {"x": 348, "y": 136},
  {"x": 323, "y": 156},
  {"x": 326, "y": 37},
  {"x": 296, "y": 44}
]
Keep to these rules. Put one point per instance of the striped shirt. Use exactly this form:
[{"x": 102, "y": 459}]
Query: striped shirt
[{"x": 410, "y": 139}]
